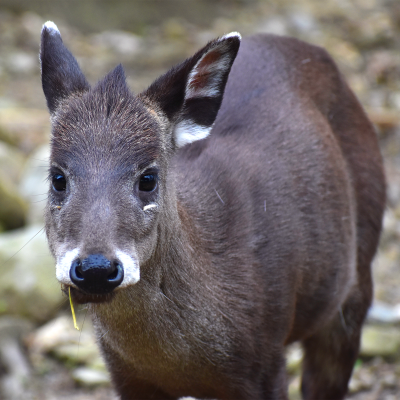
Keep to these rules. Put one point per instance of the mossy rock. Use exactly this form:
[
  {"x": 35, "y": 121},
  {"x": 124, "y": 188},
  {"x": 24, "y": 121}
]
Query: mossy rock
[
  {"x": 13, "y": 209},
  {"x": 28, "y": 285}
]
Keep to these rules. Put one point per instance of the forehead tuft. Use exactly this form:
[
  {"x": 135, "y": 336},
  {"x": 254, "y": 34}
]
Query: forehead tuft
[{"x": 107, "y": 118}]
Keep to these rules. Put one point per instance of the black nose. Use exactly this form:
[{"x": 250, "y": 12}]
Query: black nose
[{"x": 96, "y": 274}]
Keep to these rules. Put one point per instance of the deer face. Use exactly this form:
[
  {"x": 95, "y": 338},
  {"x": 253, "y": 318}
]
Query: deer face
[
  {"x": 107, "y": 177},
  {"x": 110, "y": 151}
]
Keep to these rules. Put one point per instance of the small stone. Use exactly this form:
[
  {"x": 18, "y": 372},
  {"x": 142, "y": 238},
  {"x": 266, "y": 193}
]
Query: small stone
[
  {"x": 174, "y": 28},
  {"x": 294, "y": 389},
  {"x": 384, "y": 313},
  {"x": 389, "y": 381},
  {"x": 29, "y": 128},
  {"x": 362, "y": 379},
  {"x": 13, "y": 208},
  {"x": 22, "y": 63},
  {"x": 90, "y": 377},
  {"x": 294, "y": 357},
  {"x": 122, "y": 42},
  {"x": 78, "y": 353},
  {"x": 59, "y": 338},
  {"x": 11, "y": 161},
  {"x": 16, "y": 371},
  {"x": 28, "y": 285},
  {"x": 394, "y": 99},
  {"x": 34, "y": 185},
  {"x": 303, "y": 21},
  {"x": 275, "y": 25},
  {"x": 380, "y": 341}
]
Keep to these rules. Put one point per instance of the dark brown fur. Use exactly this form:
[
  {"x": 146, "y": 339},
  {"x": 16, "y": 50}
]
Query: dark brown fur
[{"x": 266, "y": 235}]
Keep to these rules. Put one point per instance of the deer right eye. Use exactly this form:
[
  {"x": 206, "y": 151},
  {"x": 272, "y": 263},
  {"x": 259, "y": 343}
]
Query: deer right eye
[
  {"x": 148, "y": 182},
  {"x": 59, "y": 182}
]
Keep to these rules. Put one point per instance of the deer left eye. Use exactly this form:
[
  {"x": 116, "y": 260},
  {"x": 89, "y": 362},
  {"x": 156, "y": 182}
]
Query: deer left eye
[
  {"x": 59, "y": 182},
  {"x": 148, "y": 182}
]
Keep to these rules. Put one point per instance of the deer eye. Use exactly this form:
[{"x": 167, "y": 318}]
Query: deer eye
[
  {"x": 59, "y": 182},
  {"x": 148, "y": 182}
]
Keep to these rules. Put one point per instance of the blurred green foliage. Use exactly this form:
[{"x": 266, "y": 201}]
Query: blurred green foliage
[{"x": 135, "y": 15}]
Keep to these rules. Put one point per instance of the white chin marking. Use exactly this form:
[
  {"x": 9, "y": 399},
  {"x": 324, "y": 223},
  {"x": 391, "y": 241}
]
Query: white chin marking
[
  {"x": 131, "y": 268},
  {"x": 187, "y": 132},
  {"x": 51, "y": 26},
  {"x": 63, "y": 266}
]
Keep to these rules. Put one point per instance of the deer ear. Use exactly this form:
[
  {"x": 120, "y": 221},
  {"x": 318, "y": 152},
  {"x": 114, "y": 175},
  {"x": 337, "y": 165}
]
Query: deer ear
[
  {"x": 191, "y": 93},
  {"x": 61, "y": 75}
]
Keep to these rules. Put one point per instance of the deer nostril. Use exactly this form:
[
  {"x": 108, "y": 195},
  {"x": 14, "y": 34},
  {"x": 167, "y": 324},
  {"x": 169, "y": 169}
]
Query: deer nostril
[
  {"x": 76, "y": 271},
  {"x": 116, "y": 272}
]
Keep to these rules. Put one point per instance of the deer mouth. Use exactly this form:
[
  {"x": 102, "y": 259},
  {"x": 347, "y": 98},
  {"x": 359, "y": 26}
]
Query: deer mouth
[{"x": 80, "y": 297}]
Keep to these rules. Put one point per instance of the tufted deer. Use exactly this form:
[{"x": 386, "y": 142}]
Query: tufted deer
[{"x": 206, "y": 233}]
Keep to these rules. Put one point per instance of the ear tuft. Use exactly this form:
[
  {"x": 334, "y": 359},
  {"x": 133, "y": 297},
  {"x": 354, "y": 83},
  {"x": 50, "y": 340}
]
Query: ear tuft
[
  {"x": 51, "y": 27},
  {"x": 61, "y": 75},
  {"x": 232, "y": 34}
]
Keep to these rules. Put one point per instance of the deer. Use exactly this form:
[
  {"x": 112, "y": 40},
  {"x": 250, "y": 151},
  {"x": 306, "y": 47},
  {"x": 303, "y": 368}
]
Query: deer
[{"x": 230, "y": 209}]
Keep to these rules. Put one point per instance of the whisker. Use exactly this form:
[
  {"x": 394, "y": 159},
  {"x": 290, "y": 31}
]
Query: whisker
[{"x": 33, "y": 237}]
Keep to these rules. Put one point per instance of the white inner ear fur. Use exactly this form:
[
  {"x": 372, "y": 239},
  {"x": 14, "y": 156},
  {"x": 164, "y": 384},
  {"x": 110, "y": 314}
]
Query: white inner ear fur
[
  {"x": 187, "y": 131},
  {"x": 215, "y": 72}
]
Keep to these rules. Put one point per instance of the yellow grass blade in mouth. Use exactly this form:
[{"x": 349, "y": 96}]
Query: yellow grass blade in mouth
[{"x": 72, "y": 309}]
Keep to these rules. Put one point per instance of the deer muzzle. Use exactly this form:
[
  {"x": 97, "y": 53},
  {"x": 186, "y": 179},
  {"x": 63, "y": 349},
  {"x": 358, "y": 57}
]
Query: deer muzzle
[{"x": 96, "y": 274}]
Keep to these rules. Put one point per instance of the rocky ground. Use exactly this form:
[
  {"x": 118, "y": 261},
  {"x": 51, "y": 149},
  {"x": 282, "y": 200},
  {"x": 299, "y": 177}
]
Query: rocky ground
[{"x": 41, "y": 355}]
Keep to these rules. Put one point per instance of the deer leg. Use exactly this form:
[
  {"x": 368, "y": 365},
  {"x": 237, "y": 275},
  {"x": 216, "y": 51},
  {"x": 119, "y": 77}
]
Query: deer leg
[
  {"x": 134, "y": 389},
  {"x": 130, "y": 388},
  {"x": 274, "y": 381},
  {"x": 330, "y": 353}
]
